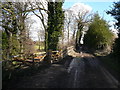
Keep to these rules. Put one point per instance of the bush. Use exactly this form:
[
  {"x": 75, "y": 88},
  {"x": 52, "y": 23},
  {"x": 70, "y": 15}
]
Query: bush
[{"x": 98, "y": 36}]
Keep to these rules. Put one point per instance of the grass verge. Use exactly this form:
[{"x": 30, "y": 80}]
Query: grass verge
[{"x": 111, "y": 63}]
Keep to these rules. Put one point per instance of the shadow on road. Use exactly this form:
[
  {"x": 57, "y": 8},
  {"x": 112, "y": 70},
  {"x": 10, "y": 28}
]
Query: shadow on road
[
  {"x": 87, "y": 72},
  {"x": 82, "y": 70}
]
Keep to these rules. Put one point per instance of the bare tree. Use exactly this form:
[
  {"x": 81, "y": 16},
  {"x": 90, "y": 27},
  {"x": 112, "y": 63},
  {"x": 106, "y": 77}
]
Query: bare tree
[
  {"x": 41, "y": 13},
  {"x": 83, "y": 18},
  {"x": 40, "y": 37},
  {"x": 69, "y": 17},
  {"x": 28, "y": 25},
  {"x": 14, "y": 14}
]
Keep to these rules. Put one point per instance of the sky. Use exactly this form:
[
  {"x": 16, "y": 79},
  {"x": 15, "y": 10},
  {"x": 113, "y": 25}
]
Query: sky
[{"x": 100, "y": 6}]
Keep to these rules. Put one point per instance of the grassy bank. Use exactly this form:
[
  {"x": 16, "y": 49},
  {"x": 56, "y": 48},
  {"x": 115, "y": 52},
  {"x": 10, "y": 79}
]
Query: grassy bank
[
  {"x": 112, "y": 65},
  {"x": 111, "y": 62}
]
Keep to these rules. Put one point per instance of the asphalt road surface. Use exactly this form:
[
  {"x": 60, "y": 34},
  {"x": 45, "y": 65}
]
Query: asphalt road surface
[
  {"x": 82, "y": 71},
  {"x": 87, "y": 72}
]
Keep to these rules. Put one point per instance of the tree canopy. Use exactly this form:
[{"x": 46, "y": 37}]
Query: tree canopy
[
  {"x": 98, "y": 35},
  {"x": 55, "y": 24},
  {"x": 115, "y": 12}
]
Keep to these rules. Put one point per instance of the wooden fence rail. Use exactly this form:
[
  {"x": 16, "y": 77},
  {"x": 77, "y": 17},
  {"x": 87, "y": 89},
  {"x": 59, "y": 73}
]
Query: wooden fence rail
[{"x": 55, "y": 57}]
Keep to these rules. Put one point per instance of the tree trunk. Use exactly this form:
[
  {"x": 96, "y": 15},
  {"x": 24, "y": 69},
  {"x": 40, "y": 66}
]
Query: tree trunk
[{"x": 68, "y": 34}]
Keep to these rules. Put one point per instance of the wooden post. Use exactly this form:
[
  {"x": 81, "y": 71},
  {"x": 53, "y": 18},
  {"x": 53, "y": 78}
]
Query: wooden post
[
  {"x": 33, "y": 59},
  {"x": 49, "y": 55},
  {"x": 47, "y": 59}
]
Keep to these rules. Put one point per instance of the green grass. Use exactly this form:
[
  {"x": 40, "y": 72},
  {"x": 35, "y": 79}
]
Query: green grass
[
  {"x": 37, "y": 47},
  {"x": 109, "y": 60}
]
